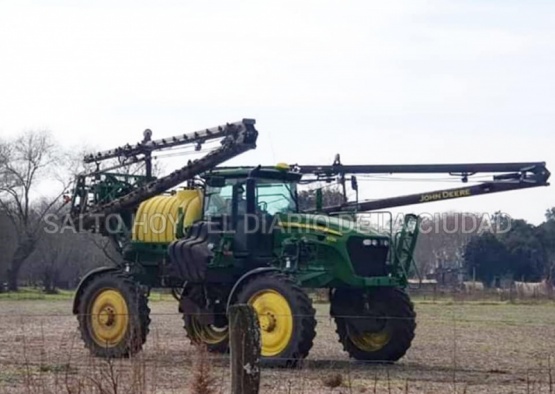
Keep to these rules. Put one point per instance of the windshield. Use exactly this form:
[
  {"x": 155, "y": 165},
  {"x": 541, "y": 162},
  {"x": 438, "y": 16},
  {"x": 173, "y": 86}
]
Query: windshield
[{"x": 271, "y": 197}]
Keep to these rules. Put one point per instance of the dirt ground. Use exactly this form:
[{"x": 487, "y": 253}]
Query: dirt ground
[{"x": 459, "y": 348}]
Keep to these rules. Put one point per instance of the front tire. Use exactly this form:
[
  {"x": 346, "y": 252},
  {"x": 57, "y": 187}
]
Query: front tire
[
  {"x": 215, "y": 337},
  {"x": 286, "y": 317},
  {"x": 377, "y": 325},
  {"x": 113, "y": 316}
]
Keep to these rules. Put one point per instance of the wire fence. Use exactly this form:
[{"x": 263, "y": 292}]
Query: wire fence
[{"x": 459, "y": 347}]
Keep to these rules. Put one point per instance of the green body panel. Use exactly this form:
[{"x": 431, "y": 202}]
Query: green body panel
[
  {"x": 320, "y": 244},
  {"x": 331, "y": 265}
]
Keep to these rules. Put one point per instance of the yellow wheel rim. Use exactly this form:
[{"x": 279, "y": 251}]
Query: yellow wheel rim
[
  {"x": 276, "y": 321},
  {"x": 370, "y": 341},
  {"x": 109, "y": 318},
  {"x": 208, "y": 334}
]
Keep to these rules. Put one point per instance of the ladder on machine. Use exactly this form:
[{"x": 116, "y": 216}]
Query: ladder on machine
[{"x": 405, "y": 243}]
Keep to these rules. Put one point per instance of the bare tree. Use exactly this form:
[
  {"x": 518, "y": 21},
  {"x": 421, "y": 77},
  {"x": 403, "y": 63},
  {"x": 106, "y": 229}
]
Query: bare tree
[
  {"x": 442, "y": 241},
  {"x": 331, "y": 196},
  {"x": 27, "y": 162},
  {"x": 57, "y": 260},
  {"x": 6, "y": 246},
  {"x": 62, "y": 258}
]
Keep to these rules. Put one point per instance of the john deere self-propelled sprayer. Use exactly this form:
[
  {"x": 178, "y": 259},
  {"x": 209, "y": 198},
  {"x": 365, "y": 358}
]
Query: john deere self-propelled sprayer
[{"x": 224, "y": 235}]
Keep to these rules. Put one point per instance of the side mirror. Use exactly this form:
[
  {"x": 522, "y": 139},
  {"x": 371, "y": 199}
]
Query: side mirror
[
  {"x": 354, "y": 183},
  {"x": 215, "y": 181}
]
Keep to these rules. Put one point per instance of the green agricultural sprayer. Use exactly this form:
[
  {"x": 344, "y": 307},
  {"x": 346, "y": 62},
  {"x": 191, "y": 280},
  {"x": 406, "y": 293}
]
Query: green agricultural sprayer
[{"x": 218, "y": 236}]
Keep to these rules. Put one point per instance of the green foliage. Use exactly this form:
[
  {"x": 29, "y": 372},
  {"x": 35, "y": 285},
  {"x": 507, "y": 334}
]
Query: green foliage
[
  {"x": 550, "y": 215},
  {"x": 526, "y": 255},
  {"x": 487, "y": 257},
  {"x": 524, "y": 252},
  {"x": 546, "y": 235}
]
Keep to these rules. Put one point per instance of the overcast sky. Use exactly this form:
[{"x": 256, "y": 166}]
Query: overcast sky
[{"x": 377, "y": 81}]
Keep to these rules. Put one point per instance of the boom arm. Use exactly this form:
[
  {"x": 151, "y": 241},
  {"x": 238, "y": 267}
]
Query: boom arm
[
  {"x": 238, "y": 137},
  {"x": 511, "y": 176},
  {"x": 437, "y": 195},
  {"x": 454, "y": 169}
]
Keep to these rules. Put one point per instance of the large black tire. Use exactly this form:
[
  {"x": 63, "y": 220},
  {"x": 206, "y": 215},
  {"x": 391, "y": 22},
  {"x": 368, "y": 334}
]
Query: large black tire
[
  {"x": 376, "y": 325},
  {"x": 113, "y": 315},
  {"x": 215, "y": 337},
  {"x": 286, "y": 317}
]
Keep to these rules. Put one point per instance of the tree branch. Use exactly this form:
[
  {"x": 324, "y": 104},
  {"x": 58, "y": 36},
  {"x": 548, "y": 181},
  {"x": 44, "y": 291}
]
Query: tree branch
[{"x": 104, "y": 250}]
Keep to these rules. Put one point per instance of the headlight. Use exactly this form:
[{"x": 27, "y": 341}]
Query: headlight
[
  {"x": 370, "y": 242},
  {"x": 375, "y": 242}
]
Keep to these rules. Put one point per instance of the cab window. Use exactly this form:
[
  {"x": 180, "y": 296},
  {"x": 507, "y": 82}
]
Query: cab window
[
  {"x": 276, "y": 197},
  {"x": 218, "y": 200}
]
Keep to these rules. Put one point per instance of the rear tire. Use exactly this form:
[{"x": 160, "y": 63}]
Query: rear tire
[
  {"x": 215, "y": 337},
  {"x": 377, "y": 325},
  {"x": 113, "y": 316},
  {"x": 286, "y": 317}
]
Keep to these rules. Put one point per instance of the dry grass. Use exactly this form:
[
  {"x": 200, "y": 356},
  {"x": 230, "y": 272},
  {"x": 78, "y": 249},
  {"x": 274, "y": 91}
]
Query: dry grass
[
  {"x": 333, "y": 381},
  {"x": 203, "y": 380},
  {"x": 469, "y": 347}
]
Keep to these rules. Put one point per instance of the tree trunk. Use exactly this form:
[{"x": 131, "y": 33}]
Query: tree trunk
[
  {"x": 50, "y": 280},
  {"x": 13, "y": 274},
  {"x": 24, "y": 250}
]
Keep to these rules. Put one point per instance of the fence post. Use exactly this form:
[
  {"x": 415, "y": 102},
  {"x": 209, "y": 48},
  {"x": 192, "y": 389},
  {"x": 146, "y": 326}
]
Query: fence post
[{"x": 244, "y": 344}]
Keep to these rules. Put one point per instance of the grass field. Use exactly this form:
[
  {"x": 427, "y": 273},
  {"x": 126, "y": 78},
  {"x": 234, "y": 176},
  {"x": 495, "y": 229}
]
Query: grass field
[{"x": 472, "y": 347}]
